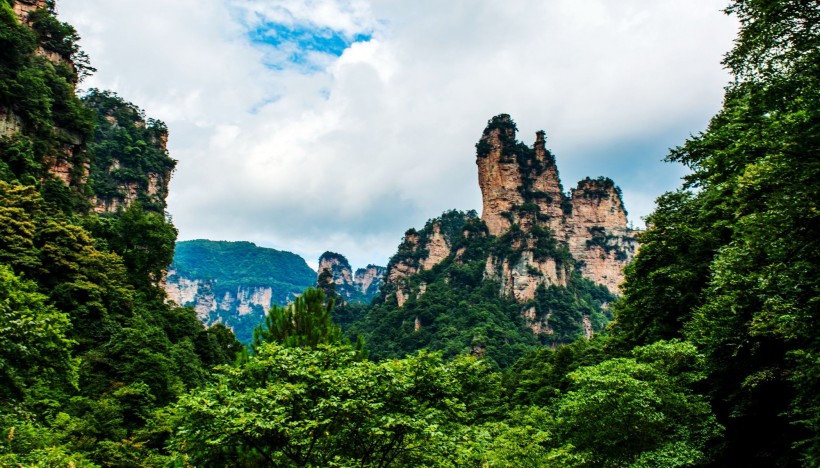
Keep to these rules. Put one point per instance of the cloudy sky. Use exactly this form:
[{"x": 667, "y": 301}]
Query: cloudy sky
[{"x": 313, "y": 125}]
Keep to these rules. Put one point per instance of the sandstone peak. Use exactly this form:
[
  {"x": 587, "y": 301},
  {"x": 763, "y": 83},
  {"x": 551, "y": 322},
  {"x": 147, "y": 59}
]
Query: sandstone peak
[{"x": 521, "y": 189}]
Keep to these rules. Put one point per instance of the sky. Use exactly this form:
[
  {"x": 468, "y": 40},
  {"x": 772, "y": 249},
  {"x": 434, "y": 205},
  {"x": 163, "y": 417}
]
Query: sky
[{"x": 314, "y": 125}]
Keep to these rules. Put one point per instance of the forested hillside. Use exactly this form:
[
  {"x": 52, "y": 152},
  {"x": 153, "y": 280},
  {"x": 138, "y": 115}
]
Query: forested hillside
[
  {"x": 712, "y": 358},
  {"x": 453, "y": 307},
  {"x": 90, "y": 354}
]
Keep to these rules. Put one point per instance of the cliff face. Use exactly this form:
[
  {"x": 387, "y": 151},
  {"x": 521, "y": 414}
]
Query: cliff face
[
  {"x": 556, "y": 258},
  {"x": 100, "y": 147},
  {"x": 62, "y": 138},
  {"x": 337, "y": 277},
  {"x": 521, "y": 191},
  {"x": 205, "y": 296},
  {"x": 597, "y": 234},
  {"x": 521, "y": 277},
  {"x": 369, "y": 279},
  {"x": 24, "y": 8}
]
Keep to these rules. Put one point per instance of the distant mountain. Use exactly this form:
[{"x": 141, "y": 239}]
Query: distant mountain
[
  {"x": 336, "y": 274},
  {"x": 235, "y": 283}
]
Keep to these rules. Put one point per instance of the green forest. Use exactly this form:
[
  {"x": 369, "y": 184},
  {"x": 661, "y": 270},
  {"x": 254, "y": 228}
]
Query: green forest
[{"x": 710, "y": 357}]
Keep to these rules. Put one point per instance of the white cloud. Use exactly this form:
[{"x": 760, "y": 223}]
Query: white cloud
[{"x": 381, "y": 138}]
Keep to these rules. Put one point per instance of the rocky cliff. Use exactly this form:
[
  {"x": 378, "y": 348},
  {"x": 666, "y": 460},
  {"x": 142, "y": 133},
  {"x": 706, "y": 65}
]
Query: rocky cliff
[
  {"x": 542, "y": 234},
  {"x": 337, "y": 277},
  {"x": 60, "y": 129},
  {"x": 523, "y": 199},
  {"x": 551, "y": 261},
  {"x": 102, "y": 149},
  {"x": 205, "y": 296},
  {"x": 597, "y": 234},
  {"x": 423, "y": 250}
]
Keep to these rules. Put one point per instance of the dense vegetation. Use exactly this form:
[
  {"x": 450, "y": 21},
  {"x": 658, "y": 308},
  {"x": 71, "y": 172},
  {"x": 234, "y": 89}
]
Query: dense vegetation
[
  {"x": 712, "y": 359},
  {"x": 91, "y": 354},
  {"x": 454, "y": 309},
  {"x": 128, "y": 151},
  {"x": 224, "y": 267},
  {"x": 307, "y": 398},
  {"x": 732, "y": 260}
]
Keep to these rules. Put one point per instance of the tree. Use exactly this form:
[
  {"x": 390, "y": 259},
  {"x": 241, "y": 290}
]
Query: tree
[
  {"x": 322, "y": 406},
  {"x": 145, "y": 241},
  {"x": 34, "y": 348},
  {"x": 733, "y": 261},
  {"x": 304, "y": 322},
  {"x": 639, "y": 410}
]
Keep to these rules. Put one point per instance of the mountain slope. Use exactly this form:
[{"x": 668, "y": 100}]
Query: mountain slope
[{"x": 235, "y": 283}]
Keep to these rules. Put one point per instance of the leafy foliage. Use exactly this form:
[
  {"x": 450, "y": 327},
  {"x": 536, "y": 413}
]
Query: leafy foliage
[
  {"x": 90, "y": 351},
  {"x": 235, "y": 263},
  {"x": 34, "y": 347},
  {"x": 719, "y": 312},
  {"x": 324, "y": 407},
  {"x": 731, "y": 260},
  {"x": 303, "y": 323},
  {"x": 639, "y": 410},
  {"x": 129, "y": 153}
]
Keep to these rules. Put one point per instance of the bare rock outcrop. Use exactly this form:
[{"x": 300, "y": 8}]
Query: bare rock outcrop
[
  {"x": 521, "y": 191},
  {"x": 201, "y": 295},
  {"x": 369, "y": 279},
  {"x": 152, "y": 188},
  {"x": 10, "y": 123},
  {"x": 597, "y": 233},
  {"x": 420, "y": 251},
  {"x": 521, "y": 277},
  {"x": 23, "y": 8}
]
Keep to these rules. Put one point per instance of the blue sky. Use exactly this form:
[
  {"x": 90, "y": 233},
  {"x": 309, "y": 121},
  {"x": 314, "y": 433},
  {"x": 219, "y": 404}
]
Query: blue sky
[
  {"x": 313, "y": 125},
  {"x": 300, "y": 42}
]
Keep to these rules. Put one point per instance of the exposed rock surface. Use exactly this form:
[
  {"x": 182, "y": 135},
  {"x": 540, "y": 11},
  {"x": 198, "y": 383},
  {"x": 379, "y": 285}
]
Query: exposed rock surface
[
  {"x": 538, "y": 235},
  {"x": 422, "y": 251},
  {"x": 597, "y": 233},
  {"x": 22, "y": 8},
  {"x": 66, "y": 161},
  {"x": 521, "y": 278},
  {"x": 369, "y": 279},
  {"x": 10, "y": 123},
  {"x": 360, "y": 286},
  {"x": 115, "y": 187},
  {"x": 521, "y": 191},
  {"x": 437, "y": 249},
  {"x": 200, "y": 294}
]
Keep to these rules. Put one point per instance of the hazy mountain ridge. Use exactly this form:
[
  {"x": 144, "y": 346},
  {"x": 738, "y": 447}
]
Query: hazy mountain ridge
[{"x": 235, "y": 283}]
